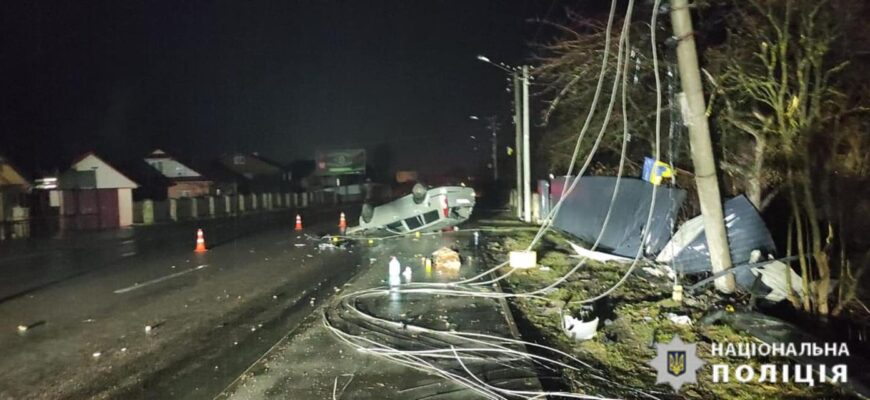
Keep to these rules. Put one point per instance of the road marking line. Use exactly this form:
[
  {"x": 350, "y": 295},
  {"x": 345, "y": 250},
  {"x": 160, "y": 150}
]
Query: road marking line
[
  {"x": 128, "y": 254},
  {"x": 158, "y": 280}
]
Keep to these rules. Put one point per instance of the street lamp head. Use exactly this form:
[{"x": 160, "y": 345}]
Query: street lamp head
[
  {"x": 474, "y": 117},
  {"x": 483, "y": 58}
]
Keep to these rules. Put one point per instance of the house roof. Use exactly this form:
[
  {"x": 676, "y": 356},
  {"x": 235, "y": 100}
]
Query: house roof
[
  {"x": 159, "y": 154},
  {"x": 114, "y": 177},
  {"x": 10, "y": 175}
]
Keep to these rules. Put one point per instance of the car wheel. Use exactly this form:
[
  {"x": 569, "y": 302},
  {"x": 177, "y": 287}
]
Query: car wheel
[
  {"x": 367, "y": 212},
  {"x": 418, "y": 193}
]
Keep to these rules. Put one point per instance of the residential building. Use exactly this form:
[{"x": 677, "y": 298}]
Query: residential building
[{"x": 185, "y": 181}]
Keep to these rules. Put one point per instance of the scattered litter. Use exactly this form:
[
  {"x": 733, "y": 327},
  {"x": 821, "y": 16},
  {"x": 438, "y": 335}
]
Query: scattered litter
[
  {"x": 679, "y": 319},
  {"x": 24, "y": 328},
  {"x": 446, "y": 258},
  {"x": 309, "y": 256},
  {"x": 394, "y": 267},
  {"x": 123, "y": 349},
  {"x": 96, "y": 354},
  {"x": 312, "y": 301},
  {"x": 407, "y": 274},
  {"x": 150, "y": 327},
  {"x": 545, "y": 268},
  {"x": 300, "y": 244},
  {"x": 253, "y": 329},
  {"x": 579, "y": 330},
  {"x": 326, "y": 246}
]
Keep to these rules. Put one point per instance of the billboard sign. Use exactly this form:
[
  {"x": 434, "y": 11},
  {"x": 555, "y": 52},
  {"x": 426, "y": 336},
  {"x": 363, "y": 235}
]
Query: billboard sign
[{"x": 341, "y": 162}]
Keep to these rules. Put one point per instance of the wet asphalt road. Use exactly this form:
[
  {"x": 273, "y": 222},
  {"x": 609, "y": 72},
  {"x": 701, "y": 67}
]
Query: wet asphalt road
[{"x": 211, "y": 315}]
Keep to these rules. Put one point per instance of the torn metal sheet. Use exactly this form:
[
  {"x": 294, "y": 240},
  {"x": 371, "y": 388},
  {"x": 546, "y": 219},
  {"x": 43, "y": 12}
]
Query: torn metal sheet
[
  {"x": 687, "y": 252},
  {"x": 773, "y": 275},
  {"x": 598, "y": 255},
  {"x": 584, "y": 209},
  {"x": 422, "y": 210}
]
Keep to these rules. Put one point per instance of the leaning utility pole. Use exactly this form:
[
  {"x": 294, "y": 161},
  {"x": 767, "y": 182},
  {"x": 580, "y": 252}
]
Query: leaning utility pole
[
  {"x": 527, "y": 184},
  {"x": 518, "y": 125},
  {"x": 701, "y": 147}
]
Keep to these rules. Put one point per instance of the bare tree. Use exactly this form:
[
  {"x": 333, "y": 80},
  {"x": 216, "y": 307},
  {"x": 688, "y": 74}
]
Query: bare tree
[{"x": 778, "y": 86}]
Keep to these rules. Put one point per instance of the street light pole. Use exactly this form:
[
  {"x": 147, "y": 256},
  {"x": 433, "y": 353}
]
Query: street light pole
[
  {"x": 527, "y": 184},
  {"x": 518, "y": 125},
  {"x": 521, "y": 122}
]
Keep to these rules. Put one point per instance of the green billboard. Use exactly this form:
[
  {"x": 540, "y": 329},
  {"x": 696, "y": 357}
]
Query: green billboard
[{"x": 341, "y": 162}]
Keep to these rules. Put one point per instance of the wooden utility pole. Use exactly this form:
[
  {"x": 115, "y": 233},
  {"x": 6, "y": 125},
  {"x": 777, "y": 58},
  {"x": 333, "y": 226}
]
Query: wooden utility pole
[{"x": 694, "y": 111}]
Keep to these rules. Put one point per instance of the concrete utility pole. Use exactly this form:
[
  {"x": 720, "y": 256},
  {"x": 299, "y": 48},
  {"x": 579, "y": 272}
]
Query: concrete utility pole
[
  {"x": 527, "y": 184},
  {"x": 701, "y": 147},
  {"x": 518, "y": 125}
]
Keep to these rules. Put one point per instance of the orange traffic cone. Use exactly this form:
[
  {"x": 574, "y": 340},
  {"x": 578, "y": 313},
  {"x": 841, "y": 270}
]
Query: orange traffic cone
[
  {"x": 342, "y": 222},
  {"x": 200, "y": 242},
  {"x": 298, "y": 223}
]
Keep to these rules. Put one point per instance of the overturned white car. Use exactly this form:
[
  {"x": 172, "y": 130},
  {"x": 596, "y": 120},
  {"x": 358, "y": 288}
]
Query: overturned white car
[{"x": 422, "y": 210}]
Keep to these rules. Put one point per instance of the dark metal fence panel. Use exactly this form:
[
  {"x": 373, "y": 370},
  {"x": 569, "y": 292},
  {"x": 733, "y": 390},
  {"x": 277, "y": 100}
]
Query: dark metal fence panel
[{"x": 584, "y": 210}]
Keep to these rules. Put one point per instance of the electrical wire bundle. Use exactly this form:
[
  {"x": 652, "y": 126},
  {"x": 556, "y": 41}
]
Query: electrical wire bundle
[{"x": 491, "y": 365}]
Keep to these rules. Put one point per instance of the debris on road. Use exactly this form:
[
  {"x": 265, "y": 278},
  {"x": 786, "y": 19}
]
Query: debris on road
[
  {"x": 24, "y": 328},
  {"x": 151, "y": 327},
  {"x": 96, "y": 354},
  {"x": 446, "y": 258}
]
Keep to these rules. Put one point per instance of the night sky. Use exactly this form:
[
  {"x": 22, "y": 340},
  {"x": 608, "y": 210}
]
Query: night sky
[{"x": 283, "y": 78}]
